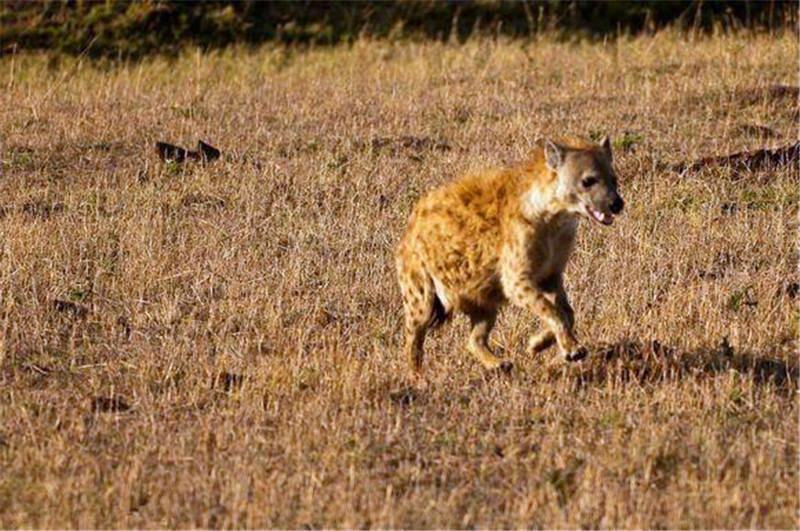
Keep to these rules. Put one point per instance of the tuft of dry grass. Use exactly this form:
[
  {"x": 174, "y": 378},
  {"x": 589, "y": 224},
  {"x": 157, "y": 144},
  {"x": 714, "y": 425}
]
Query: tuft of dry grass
[{"x": 217, "y": 345}]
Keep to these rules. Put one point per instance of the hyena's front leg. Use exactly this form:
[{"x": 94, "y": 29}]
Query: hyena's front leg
[
  {"x": 554, "y": 291},
  {"x": 525, "y": 294}
]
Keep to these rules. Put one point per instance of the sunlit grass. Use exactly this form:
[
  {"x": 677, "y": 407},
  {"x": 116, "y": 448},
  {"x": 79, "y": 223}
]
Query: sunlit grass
[{"x": 247, "y": 311}]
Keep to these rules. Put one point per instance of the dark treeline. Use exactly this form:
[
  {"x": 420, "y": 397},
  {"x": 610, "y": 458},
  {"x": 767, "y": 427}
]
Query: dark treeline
[{"x": 115, "y": 28}]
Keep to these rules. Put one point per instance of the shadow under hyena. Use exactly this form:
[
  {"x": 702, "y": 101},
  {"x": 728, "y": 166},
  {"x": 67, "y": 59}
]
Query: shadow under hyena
[
  {"x": 629, "y": 360},
  {"x": 651, "y": 362}
]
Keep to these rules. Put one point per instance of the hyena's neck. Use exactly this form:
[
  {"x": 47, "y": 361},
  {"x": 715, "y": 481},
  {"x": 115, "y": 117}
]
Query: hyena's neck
[{"x": 541, "y": 205}]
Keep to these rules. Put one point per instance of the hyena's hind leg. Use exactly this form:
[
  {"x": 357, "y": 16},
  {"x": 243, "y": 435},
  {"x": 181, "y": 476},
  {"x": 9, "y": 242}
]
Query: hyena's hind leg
[
  {"x": 482, "y": 321},
  {"x": 422, "y": 309}
]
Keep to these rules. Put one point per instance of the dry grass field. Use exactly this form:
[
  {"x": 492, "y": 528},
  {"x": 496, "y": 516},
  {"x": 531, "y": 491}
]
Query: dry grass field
[{"x": 218, "y": 345}]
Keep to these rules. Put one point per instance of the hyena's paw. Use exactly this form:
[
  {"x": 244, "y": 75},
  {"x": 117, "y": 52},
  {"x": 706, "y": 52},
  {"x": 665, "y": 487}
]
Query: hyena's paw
[
  {"x": 492, "y": 362},
  {"x": 540, "y": 342},
  {"x": 501, "y": 367},
  {"x": 571, "y": 350},
  {"x": 420, "y": 383},
  {"x": 487, "y": 357},
  {"x": 577, "y": 353}
]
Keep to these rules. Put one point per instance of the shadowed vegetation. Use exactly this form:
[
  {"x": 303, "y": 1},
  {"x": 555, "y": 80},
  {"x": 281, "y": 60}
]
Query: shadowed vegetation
[{"x": 121, "y": 29}]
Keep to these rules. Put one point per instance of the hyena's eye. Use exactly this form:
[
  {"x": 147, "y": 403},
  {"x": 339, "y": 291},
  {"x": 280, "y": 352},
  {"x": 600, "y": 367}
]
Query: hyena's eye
[{"x": 588, "y": 182}]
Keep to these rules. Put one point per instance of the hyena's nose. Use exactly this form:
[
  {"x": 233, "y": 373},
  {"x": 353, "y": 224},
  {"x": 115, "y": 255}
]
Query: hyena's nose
[{"x": 616, "y": 206}]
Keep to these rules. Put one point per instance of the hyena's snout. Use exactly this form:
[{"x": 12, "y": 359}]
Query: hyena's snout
[
  {"x": 604, "y": 210},
  {"x": 617, "y": 205}
]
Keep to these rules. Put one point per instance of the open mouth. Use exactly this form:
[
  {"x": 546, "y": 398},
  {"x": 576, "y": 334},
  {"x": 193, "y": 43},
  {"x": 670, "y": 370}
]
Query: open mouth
[{"x": 600, "y": 217}]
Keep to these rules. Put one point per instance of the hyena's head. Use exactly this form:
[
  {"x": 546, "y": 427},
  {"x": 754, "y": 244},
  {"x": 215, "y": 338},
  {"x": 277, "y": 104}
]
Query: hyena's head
[{"x": 586, "y": 181}]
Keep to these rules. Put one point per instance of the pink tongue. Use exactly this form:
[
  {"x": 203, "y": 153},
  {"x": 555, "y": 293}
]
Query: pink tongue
[{"x": 599, "y": 216}]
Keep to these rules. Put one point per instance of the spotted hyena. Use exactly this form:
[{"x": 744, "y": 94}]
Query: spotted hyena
[{"x": 504, "y": 235}]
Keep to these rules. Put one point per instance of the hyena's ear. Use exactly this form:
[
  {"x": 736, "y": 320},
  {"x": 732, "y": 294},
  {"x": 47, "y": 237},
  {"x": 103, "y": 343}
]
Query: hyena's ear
[
  {"x": 553, "y": 155},
  {"x": 606, "y": 145}
]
